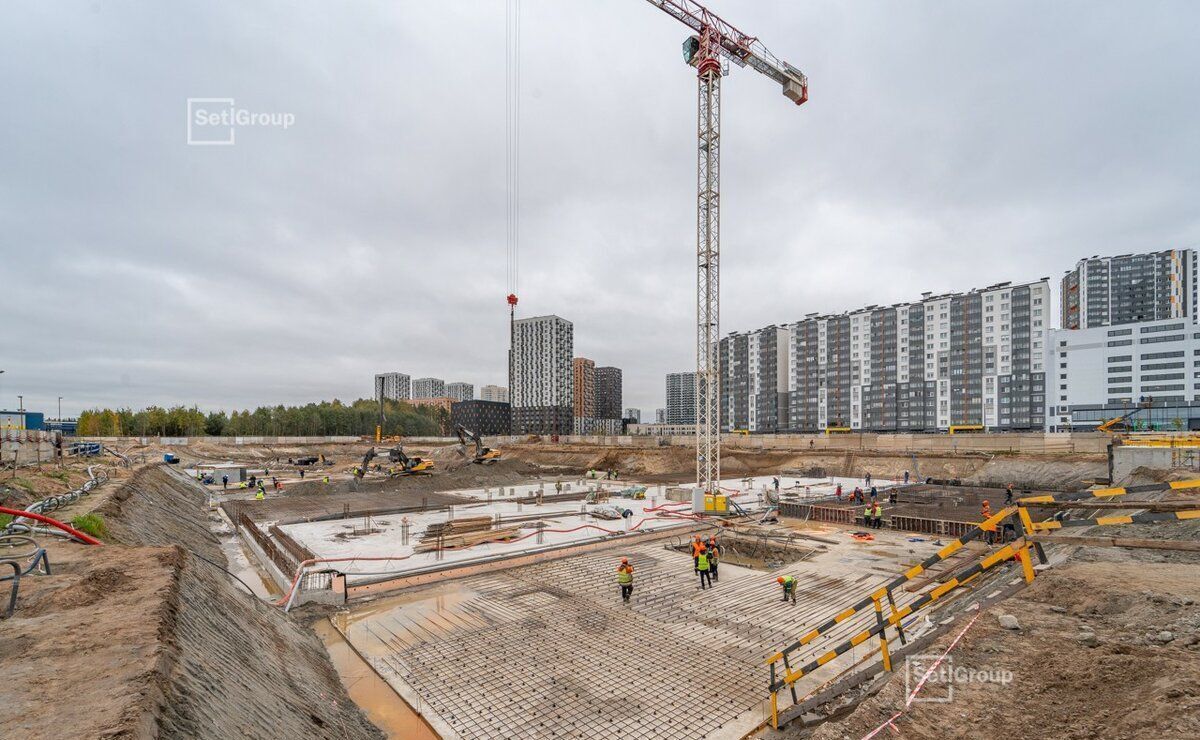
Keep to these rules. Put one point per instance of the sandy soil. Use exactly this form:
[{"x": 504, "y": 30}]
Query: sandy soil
[
  {"x": 141, "y": 640},
  {"x": 1135, "y": 682}
]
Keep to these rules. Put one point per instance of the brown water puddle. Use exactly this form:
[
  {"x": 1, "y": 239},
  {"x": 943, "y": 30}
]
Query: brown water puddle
[{"x": 372, "y": 694}]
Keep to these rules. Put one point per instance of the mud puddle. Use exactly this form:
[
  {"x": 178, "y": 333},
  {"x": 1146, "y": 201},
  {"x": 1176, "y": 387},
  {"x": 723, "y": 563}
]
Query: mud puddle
[{"x": 372, "y": 694}]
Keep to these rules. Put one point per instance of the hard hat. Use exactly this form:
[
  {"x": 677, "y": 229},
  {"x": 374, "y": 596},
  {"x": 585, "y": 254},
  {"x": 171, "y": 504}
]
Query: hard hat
[
  {"x": 625, "y": 561},
  {"x": 780, "y": 579},
  {"x": 703, "y": 548},
  {"x": 985, "y": 503}
]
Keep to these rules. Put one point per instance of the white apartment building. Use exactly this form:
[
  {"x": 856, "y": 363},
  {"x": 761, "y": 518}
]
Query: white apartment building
[
  {"x": 973, "y": 359},
  {"x": 542, "y": 393},
  {"x": 496, "y": 393},
  {"x": 460, "y": 391},
  {"x": 394, "y": 386},
  {"x": 428, "y": 388}
]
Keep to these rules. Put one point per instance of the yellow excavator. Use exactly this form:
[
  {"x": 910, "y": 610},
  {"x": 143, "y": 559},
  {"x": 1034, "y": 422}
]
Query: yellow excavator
[
  {"x": 483, "y": 455},
  {"x": 405, "y": 465}
]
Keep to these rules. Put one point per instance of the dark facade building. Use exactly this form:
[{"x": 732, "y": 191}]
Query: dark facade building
[
  {"x": 608, "y": 393},
  {"x": 483, "y": 417}
]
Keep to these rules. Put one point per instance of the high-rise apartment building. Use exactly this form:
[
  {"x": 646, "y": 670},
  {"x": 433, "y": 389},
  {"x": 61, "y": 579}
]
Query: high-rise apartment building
[
  {"x": 1130, "y": 288},
  {"x": 660, "y": 416},
  {"x": 975, "y": 359},
  {"x": 460, "y": 391},
  {"x": 681, "y": 398},
  {"x": 635, "y": 415},
  {"x": 542, "y": 393},
  {"x": 394, "y": 386},
  {"x": 754, "y": 380},
  {"x": 608, "y": 393},
  {"x": 583, "y": 388},
  {"x": 497, "y": 393},
  {"x": 428, "y": 388}
]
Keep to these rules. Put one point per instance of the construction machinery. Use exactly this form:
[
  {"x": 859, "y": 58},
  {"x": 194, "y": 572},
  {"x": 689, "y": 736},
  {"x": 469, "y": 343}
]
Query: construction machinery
[
  {"x": 483, "y": 455},
  {"x": 405, "y": 465},
  {"x": 715, "y": 41},
  {"x": 1118, "y": 423},
  {"x": 361, "y": 470}
]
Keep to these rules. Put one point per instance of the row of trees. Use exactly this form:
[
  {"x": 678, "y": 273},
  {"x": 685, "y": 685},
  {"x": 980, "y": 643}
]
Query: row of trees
[{"x": 315, "y": 419}]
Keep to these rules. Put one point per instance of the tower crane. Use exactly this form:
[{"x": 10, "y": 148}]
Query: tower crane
[{"x": 715, "y": 40}]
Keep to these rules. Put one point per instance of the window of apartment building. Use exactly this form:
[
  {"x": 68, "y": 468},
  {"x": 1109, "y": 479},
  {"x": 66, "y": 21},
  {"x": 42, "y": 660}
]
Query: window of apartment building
[
  {"x": 987, "y": 319},
  {"x": 1062, "y": 387},
  {"x": 1163, "y": 355},
  {"x": 1121, "y": 368},
  {"x": 1121, "y": 358},
  {"x": 1062, "y": 398},
  {"x": 1164, "y": 327},
  {"x": 1062, "y": 364},
  {"x": 1121, "y": 379},
  {"x": 1150, "y": 388},
  {"x": 1163, "y": 365},
  {"x": 1119, "y": 332},
  {"x": 1120, "y": 390},
  {"x": 1164, "y": 376},
  {"x": 1165, "y": 338},
  {"x": 1037, "y": 301},
  {"x": 1120, "y": 343}
]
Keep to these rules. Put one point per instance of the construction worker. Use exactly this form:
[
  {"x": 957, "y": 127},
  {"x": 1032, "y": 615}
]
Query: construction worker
[
  {"x": 301, "y": 473},
  {"x": 866, "y": 479},
  {"x": 868, "y": 516},
  {"x": 703, "y": 566},
  {"x": 1008, "y": 495},
  {"x": 838, "y": 492},
  {"x": 224, "y": 482},
  {"x": 789, "y": 587},
  {"x": 986, "y": 511},
  {"x": 557, "y": 487},
  {"x": 714, "y": 556},
  {"x": 625, "y": 579},
  {"x": 874, "y": 493},
  {"x": 878, "y": 513},
  {"x": 697, "y": 546},
  {"x": 906, "y": 477},
  {"x": 892, "y": 496},
  {"x": 260, "y": 495}
]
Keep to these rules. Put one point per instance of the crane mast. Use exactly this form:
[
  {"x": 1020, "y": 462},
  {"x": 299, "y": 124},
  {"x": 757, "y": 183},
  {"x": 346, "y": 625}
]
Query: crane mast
[{"x": 715, "y": 40}]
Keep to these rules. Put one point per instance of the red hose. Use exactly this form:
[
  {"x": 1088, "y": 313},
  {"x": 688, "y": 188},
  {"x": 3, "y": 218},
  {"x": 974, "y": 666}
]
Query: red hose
[{"x": 52, "y": 522}]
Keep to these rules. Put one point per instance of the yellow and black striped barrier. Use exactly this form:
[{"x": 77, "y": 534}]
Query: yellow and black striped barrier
[
  {"x": 788, "y": 679},
  {"x": 883, "y": 591},
  {"x": 1179, "y": 485}
]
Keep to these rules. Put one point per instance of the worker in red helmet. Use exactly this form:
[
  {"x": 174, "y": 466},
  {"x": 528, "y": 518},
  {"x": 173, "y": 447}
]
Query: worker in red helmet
[
  {"x": 789, "y": 587},
  {"x": 625, "y": 579}
]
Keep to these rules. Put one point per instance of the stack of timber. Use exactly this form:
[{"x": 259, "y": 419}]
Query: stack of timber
[{"x": 463, "y": 533}]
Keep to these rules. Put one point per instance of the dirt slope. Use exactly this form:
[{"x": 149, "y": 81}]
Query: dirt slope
[{"x": 141, "y": 641}]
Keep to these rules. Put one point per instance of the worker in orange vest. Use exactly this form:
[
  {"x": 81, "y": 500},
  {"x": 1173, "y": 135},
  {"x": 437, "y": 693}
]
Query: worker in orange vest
[
  {"x": 697, "y": 547},
  {"x": 990, "y": 532}
]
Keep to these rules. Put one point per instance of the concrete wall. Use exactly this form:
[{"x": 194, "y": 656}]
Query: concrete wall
[
  {"x": 185, "y": 441},
  {"x": 1127, "y": 459},
  {"x": 1033, "y": 443}
]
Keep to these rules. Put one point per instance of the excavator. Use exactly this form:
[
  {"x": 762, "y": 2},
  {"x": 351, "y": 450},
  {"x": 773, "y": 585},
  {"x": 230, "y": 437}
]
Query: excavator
[
  {"x": 483, "y": 455},
  {"x": 408, "y": 465}
]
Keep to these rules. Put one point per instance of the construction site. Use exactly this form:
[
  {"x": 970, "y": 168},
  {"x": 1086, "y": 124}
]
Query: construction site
[
  {"x": 480, "y": 599},
  {"x": 979, "y": 565}
]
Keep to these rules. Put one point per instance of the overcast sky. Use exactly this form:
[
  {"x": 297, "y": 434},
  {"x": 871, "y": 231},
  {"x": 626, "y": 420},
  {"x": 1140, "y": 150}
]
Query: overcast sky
[{"x": 946, "y": 146}]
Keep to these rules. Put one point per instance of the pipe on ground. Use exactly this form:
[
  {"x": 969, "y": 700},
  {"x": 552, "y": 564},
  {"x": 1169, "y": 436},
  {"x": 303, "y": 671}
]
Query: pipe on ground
[{"x": 52, "y": 522}]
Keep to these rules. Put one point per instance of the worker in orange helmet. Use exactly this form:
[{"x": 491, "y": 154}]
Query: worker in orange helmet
[
  {"x": 789, "y": 587},
  {"x": 697, "y": 546},
  {"x": 989, "y": 532},
  {"x": 703, "y": 567},
  {"x": 625, "y": 579}
]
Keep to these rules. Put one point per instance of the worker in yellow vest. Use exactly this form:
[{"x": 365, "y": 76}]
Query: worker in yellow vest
[
  {"x": 789, "y": 587},
  {"x": 259, "y": 496},
  {"x": 878, "y": 516},
  {"x": 625, "y": 579},
  {"x": 702, "y": 566}
]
